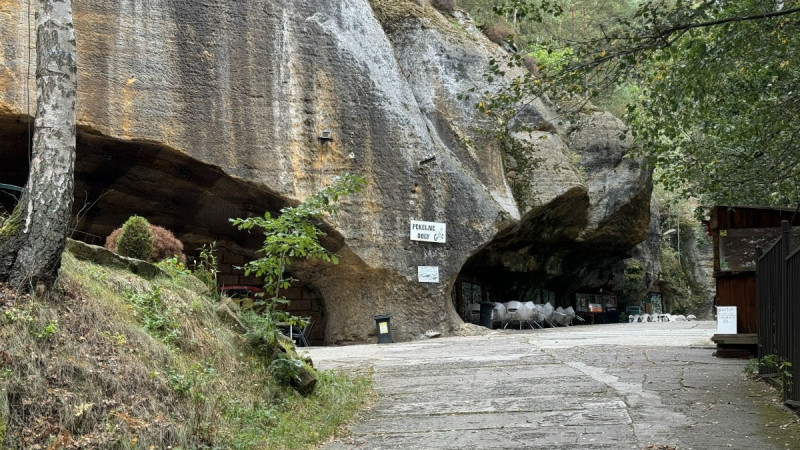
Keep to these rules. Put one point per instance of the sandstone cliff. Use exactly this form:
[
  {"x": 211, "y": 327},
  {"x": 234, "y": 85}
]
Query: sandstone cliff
[{"x": 194, "y": 112}]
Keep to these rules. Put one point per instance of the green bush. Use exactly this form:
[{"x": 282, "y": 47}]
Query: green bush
[
  {"x": 136, "y": 240},
  {"x": 165, "y": 244}
]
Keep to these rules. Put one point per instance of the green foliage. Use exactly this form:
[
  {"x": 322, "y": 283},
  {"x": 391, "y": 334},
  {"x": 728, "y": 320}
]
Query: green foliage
[
  {"x": 13, "y": 315},
  {"x": 298, "y": 421},
  {"x": 632, "y": 282},
  {"x": 164, "y": 243},
  {"x": 710, "y": 86},
  {"x": 719, "y": 109},
  {"x": 135, "y": 241},
  {"x": 154, "y": 315},
  {"x": 292, "y": 235},
  {"x": 208, "y": 267},
  {"x": 262, "y": 332},
  {"x": 9, "y": 223},
  {"x": 773, "y": 364},
  {"x": 550, "y": 60},
  {"x": 129, "y": 390},
  {"x": 285, "y": 370},
  {"x": 174, "y": 266},
  {"x": 48, "y": 330},
  {"x": 179, "y": 382},
  {"x": 40, "y": 329}
]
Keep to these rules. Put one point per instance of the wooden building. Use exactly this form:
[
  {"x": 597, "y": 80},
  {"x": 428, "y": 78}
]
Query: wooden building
[{"x": 737, "y": 233}]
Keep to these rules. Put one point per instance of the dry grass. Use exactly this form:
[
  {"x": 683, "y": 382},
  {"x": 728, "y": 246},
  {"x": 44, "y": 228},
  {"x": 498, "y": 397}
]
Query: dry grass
[
  {"x": 116, "y": 361},
  {"x": 499, "y": 32},
  {"x": 446, "y": 6}
]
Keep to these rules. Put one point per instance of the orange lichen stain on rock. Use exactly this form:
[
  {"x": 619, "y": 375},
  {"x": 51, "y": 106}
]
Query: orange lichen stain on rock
[
  {"x": 127, "y": 106},
  {"x": 11, "y": 8},
  {"x": 4, "y": 108},
  {"x": 330, "y": 154}
]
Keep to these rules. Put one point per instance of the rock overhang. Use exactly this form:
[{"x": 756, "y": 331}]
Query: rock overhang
[{"x": 219, "y": 116}]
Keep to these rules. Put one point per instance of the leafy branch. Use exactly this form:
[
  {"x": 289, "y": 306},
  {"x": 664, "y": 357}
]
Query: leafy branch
[{"x": 294, "y": 234}]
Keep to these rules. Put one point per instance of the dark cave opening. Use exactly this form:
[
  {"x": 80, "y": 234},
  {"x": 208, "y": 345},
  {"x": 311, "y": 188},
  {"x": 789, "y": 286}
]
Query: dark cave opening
[
  {"x": 546, "y": 259},
  {"x": 116, "y": 178}
]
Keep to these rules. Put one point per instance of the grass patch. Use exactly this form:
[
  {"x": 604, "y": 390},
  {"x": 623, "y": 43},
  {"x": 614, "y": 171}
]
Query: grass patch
[
  {"x": 112, "y": 360},
  {"x": 301, "y": 422}
]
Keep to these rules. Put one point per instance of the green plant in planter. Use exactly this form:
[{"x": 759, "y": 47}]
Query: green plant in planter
[{"x": 136, "y": 241}]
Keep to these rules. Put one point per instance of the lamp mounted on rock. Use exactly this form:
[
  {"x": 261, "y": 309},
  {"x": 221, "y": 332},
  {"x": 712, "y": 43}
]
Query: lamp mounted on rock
[{"x": 325, "y": 136}]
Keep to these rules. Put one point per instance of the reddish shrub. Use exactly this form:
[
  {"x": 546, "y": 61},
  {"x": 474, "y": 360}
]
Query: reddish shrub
[
  {"x": 111, "y": 240},
  {"x": 165, "y": 244}
]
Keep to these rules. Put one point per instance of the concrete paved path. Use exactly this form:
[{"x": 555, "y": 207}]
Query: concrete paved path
[{"x": 652, "y": 385}]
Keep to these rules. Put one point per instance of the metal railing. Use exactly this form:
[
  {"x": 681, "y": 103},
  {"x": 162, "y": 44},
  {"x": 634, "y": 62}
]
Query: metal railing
[
  {"x": 793, "y": 314},
  {"x": 778, "y": 305}
]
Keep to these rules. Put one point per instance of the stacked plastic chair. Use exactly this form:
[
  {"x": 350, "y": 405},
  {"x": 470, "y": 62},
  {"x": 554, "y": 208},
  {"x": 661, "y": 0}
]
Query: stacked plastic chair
[
  {"x": 512, "y": 313},
  {"x": 548, "y": 312},
  {"x": 499, "y": 314},
  {"x": 527, "y": 313}
]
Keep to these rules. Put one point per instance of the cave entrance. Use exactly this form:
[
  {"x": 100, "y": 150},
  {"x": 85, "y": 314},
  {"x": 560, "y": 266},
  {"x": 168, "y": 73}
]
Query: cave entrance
[
  {"x": 478, "y": 283},
  {"x": 474, "y": 286},
  {"x": 544, "y": 259},
  {"x": 116, "y": 178}
]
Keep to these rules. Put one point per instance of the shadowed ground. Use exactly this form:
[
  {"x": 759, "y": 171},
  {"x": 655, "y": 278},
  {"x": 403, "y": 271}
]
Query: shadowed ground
[{"x": 605, "y": 386}]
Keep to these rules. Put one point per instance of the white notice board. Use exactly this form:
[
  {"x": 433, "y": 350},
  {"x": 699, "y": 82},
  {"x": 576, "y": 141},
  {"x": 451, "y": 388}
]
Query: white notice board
[
  {"x": 726, "y": 320},
  {"x": 428, "y": 231},
  {"x": 428, "y": 274}
]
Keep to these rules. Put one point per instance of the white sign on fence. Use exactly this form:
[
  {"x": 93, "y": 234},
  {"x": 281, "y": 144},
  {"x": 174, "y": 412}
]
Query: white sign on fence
[
  {"x": 428, "y": 274},
  {"x": 726, "y": 320},
  {"x": 428, "y": 231}
]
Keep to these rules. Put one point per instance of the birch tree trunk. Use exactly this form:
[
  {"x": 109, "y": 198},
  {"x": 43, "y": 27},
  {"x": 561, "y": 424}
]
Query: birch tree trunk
[{"x": 33, "y": 237}]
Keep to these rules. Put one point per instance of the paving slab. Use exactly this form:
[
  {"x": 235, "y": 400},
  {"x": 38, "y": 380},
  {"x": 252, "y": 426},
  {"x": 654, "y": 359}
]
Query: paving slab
[{"x": 608, "y": 386}]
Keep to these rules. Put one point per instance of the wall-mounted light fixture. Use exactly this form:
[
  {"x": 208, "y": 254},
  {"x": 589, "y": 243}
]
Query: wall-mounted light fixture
[{"x": 326, "y": 135}]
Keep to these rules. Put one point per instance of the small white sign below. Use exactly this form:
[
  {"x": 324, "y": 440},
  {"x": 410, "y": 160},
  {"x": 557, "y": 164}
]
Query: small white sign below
[
  {"x": 726, "y": 320},
  {"x": 428, "y": 231},
  {"x": 428, "y": 274}
]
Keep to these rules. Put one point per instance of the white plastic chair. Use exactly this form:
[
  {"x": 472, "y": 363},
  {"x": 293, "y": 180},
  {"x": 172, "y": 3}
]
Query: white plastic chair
[
  {"x": 548, "y": 311},
  {"x": 512, "y": 312},
  {"x": 527, "y": 313},
  {"x": 571, "y": 316},
  {"x": 499, "y": 313}
]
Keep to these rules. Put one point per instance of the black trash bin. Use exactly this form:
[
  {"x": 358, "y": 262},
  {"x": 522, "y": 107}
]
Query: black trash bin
[
  {"x": 384, "y": 328},
  {"x": 486, "y": 314}
]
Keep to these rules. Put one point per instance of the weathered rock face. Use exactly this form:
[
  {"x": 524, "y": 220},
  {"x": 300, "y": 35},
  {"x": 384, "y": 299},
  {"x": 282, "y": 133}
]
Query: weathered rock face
[{"x": 194, "y": 112}]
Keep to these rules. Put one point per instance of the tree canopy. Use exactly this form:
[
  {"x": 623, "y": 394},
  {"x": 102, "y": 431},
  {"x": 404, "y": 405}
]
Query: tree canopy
[{"x": 711, "y": 84}]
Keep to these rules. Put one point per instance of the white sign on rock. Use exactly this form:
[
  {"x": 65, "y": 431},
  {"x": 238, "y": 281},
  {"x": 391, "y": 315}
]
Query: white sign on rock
[
  {"x": 428, "y": 231},
  {"x": 726, "y": 320},
  {"x": 428, "y": 274}
]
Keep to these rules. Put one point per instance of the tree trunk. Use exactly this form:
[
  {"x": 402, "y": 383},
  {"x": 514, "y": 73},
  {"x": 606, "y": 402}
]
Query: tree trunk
[{"x": 33, "y": 237}]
